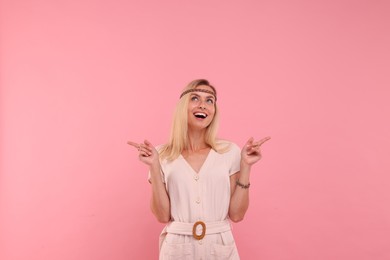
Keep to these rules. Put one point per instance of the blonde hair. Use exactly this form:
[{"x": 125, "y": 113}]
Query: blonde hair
[{"x": 178, "y": 140}]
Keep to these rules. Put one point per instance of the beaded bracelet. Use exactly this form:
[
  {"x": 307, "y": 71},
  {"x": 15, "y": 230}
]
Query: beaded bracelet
[{"x": 243, "y": 185}]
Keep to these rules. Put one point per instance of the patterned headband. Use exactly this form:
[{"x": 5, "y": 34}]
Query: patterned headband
[{"x": 199, "y": 90}]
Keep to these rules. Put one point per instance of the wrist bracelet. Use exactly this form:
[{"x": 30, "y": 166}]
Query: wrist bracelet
[{"x": 243, "y": 185}]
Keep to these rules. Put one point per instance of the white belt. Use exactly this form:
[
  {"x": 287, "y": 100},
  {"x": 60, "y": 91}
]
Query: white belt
[{"x": 183, "y": 228}]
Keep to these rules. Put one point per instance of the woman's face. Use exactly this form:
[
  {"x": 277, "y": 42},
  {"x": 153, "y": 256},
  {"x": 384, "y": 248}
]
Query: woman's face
[{"x": 201, "y": 108}]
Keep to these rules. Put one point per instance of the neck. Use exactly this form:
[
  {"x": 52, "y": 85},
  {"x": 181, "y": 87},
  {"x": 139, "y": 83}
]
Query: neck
[{"x": 196, "y": 140}]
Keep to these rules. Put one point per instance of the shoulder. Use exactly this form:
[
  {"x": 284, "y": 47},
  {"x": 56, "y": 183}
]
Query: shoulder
[
  {"x": 164, "y": 152},
  {"x": 226, "y": 146},
  {"x": 159, "y": 147},
  {"x": 234, "y": 146}
]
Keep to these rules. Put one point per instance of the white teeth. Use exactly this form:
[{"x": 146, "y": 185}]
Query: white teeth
[{"x": 200, "y": 115}]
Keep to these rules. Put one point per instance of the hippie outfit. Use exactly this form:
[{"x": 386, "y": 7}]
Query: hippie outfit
[{"x": 199, "y": 226}]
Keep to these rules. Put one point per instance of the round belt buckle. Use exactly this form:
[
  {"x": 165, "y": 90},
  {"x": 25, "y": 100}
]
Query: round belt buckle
[{"x": 196, "y": 236}]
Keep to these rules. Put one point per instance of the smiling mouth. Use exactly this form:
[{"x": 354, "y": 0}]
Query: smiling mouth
[{"x": 200, "y": 115}]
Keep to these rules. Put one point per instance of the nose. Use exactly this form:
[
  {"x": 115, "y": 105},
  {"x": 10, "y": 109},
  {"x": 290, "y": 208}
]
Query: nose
[{"x": 202, "y": 104}]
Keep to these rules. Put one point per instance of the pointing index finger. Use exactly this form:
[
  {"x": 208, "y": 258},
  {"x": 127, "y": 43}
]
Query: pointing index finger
[
  {"x": 265, "y": 139},
  {"x": 259, "y": 143},
  {"x": 133, "y": 144}
]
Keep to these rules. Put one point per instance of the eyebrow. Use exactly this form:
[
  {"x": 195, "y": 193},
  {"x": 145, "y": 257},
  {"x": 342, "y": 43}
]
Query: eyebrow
[{"x": 194, "y": 94}]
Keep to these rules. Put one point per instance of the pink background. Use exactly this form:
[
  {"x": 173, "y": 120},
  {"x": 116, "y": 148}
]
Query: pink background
[{"x": 80, "y": 78}]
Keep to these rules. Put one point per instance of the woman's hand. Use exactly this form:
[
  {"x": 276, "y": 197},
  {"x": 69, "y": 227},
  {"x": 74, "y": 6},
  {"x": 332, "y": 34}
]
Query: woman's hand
[
  {"x": 251, "y": 153},
  {"x": 147, "y": 153}
]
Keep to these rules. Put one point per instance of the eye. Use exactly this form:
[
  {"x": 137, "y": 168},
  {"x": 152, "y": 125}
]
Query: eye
[
  {"x": 194, "y": 98},
  {"x": 210, "y": 101}
]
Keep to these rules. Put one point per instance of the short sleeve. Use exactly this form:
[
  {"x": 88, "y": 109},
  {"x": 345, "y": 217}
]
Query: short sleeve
[{"x": 234, "y": 159}]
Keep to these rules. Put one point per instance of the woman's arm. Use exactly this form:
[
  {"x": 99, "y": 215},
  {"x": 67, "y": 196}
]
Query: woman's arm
[
  {"x": 239, "y": 200},
  {"x": 160, "y": 204},
  {"x": 239, "y": 182}
]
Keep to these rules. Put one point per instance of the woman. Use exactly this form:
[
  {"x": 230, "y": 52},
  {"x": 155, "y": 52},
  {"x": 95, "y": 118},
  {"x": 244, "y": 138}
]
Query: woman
[{"x": 198, "y": 182}]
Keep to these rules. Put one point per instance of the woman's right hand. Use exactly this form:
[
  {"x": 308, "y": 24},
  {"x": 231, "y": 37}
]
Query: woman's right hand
[{"x": 147, "y": 153}]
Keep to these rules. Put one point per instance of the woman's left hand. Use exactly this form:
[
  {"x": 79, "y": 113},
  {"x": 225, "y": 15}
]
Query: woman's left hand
[{"x": 251, "y": 153}]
